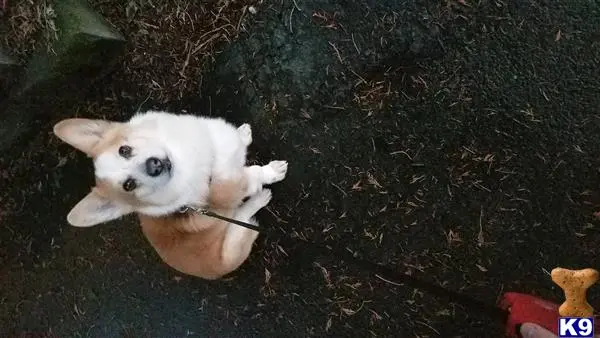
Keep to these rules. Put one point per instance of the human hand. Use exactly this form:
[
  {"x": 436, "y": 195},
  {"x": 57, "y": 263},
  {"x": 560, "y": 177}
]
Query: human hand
[{"x": 531, "y": 330}]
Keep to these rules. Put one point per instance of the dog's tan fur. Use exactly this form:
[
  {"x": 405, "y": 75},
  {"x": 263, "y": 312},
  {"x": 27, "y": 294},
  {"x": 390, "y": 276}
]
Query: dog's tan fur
[{"x": 192, "y": 243}]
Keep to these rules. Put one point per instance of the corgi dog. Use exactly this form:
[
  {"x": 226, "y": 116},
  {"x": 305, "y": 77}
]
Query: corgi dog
[{"x": 157, "y": 164}]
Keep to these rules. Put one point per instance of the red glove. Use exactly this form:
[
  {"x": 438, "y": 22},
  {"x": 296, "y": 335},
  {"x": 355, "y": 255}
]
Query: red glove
[{"x": 525, "y": 308}]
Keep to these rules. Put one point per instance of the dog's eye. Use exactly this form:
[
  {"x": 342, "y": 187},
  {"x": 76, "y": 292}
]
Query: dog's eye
[
  {"x": 125, "y": 151},
  {"x": 129, "y": 184}
]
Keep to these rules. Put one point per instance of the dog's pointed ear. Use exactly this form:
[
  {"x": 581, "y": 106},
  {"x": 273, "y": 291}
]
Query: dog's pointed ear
[
  {"x": 82, "y": 134},
  {"x": 94, "y": 209}
]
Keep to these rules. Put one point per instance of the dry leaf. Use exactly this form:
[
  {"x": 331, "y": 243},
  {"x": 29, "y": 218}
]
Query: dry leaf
[
  {"x": 373, "y": 181},
  {"x": 481, "y": 268},
  {"x": 445, "y": 312},
  {"x": 348, "y": 312},
  {"x": 453, "y": 236},
  {"x": 480, "y": 239},
  {"x": 357, "y": 186},
  {"x": 282, "y": 251},
  {"x": 558, "y": 36}
]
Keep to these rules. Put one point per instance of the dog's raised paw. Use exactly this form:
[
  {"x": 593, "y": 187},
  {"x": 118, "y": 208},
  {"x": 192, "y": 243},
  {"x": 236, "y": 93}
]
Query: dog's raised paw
[
  {"x": 262, "y": 198},
  {"x": 245, "y": 132},
  {"x": 275, "y": 171}
]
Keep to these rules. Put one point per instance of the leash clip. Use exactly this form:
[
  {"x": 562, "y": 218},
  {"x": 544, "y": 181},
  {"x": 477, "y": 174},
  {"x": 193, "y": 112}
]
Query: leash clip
[{"x": 187, "y": 208}]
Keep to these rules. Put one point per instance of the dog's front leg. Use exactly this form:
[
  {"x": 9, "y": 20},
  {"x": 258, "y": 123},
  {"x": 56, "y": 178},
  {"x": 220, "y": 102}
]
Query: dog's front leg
[
  {"x": 238, "y": 240},
  {"x": 228, "y": 191},
  {"x": 257, "y": 176},
  {"x": 228, "y": 174}
]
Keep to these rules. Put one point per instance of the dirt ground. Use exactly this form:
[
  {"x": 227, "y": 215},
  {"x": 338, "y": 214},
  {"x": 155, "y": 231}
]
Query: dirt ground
[{"x": 455, "y": 141}]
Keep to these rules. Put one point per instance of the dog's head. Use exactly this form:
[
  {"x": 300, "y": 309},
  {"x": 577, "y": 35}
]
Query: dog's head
[{"x": 134, "y": 168}]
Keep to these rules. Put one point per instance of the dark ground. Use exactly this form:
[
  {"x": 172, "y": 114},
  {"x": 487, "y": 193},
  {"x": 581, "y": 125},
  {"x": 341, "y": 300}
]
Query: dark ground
[{"x": 455, "y": 142}]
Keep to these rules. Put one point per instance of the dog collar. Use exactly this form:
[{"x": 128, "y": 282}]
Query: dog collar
[{"x": 186, "y": 208}]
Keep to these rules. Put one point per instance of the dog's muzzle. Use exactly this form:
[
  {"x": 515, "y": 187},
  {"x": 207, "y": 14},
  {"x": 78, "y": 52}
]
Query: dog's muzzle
[{"x": 156, "y": 166}]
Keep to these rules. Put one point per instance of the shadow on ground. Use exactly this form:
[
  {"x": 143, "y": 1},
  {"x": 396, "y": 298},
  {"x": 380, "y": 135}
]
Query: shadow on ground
[{"x": 456, "y": 143}]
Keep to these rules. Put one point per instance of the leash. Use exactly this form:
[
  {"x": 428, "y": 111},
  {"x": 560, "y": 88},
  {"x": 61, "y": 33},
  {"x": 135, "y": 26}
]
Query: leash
[
  {"x": 208, "y": 213},
  {"x": 382, "y": 271}
]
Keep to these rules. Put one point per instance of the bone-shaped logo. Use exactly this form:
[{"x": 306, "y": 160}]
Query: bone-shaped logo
[{"x": 575, "y": 284}]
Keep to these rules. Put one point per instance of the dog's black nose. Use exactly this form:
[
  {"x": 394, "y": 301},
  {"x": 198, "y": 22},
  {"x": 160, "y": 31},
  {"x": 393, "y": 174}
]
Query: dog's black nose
[{"x": 154, "y": 166}]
